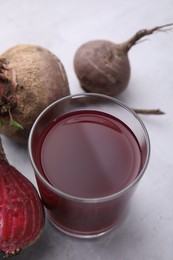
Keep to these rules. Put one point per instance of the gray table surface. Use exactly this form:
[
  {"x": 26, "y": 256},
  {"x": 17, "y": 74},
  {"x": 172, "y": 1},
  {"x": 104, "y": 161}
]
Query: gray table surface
[{"x": 62, "y": 26}]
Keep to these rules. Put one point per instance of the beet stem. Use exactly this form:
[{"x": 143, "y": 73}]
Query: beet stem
[
  {"x": 149, "y": 111},
  {"x": 2, "y": 154},
  {"x": 8, "y": 98},
  {"x": 141, "y": 33}
]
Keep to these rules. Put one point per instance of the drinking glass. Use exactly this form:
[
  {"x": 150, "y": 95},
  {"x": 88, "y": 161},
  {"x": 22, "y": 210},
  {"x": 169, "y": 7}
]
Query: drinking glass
[{"x": 81, "y": 216}]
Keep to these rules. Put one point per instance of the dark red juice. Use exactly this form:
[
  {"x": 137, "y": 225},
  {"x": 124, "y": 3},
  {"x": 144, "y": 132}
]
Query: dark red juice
[{"x": 88, "y": 154}]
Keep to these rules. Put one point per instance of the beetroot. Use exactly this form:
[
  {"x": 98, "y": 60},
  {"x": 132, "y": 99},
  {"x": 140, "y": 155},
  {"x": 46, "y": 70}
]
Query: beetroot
[
  {"x": 31, "y": 77},
  {"x": 22, "y": 216},
  {"x": 103, "y": 66}
]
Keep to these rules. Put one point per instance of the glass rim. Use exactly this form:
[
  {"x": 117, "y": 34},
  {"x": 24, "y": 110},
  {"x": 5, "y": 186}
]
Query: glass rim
[{"x": 82, "y": 199}]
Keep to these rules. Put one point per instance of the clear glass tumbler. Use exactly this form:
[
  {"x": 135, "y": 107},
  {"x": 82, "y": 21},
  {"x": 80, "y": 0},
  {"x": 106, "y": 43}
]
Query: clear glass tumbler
[{"x": 74, "y": 213}]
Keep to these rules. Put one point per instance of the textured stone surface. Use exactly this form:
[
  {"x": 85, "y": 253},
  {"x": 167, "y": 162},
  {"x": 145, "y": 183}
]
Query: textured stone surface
[{"x": 62, "y": 26}]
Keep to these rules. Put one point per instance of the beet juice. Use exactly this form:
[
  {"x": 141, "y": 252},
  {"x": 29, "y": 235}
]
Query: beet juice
[{"x": 87, "y": 155}]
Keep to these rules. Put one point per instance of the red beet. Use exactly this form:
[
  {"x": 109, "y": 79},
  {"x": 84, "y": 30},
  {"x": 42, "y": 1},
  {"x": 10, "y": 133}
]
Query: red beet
[
  {"x": 21, "y": 212},
  {"x": 31, "y": 78},
  {"x": 103, "y": 66}
]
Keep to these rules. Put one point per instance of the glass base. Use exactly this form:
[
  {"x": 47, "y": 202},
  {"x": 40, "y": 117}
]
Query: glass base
[{"x": 83, "y": 235}]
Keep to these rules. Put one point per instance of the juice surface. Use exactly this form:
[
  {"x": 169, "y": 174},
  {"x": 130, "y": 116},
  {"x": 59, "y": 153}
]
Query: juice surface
[{"x": 89, "y": 154}]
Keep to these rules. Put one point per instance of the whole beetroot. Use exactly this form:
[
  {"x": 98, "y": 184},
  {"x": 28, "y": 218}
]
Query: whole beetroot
[
  {"x": 104, "y": 67},
  {"x": 31, "y": 77}
]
